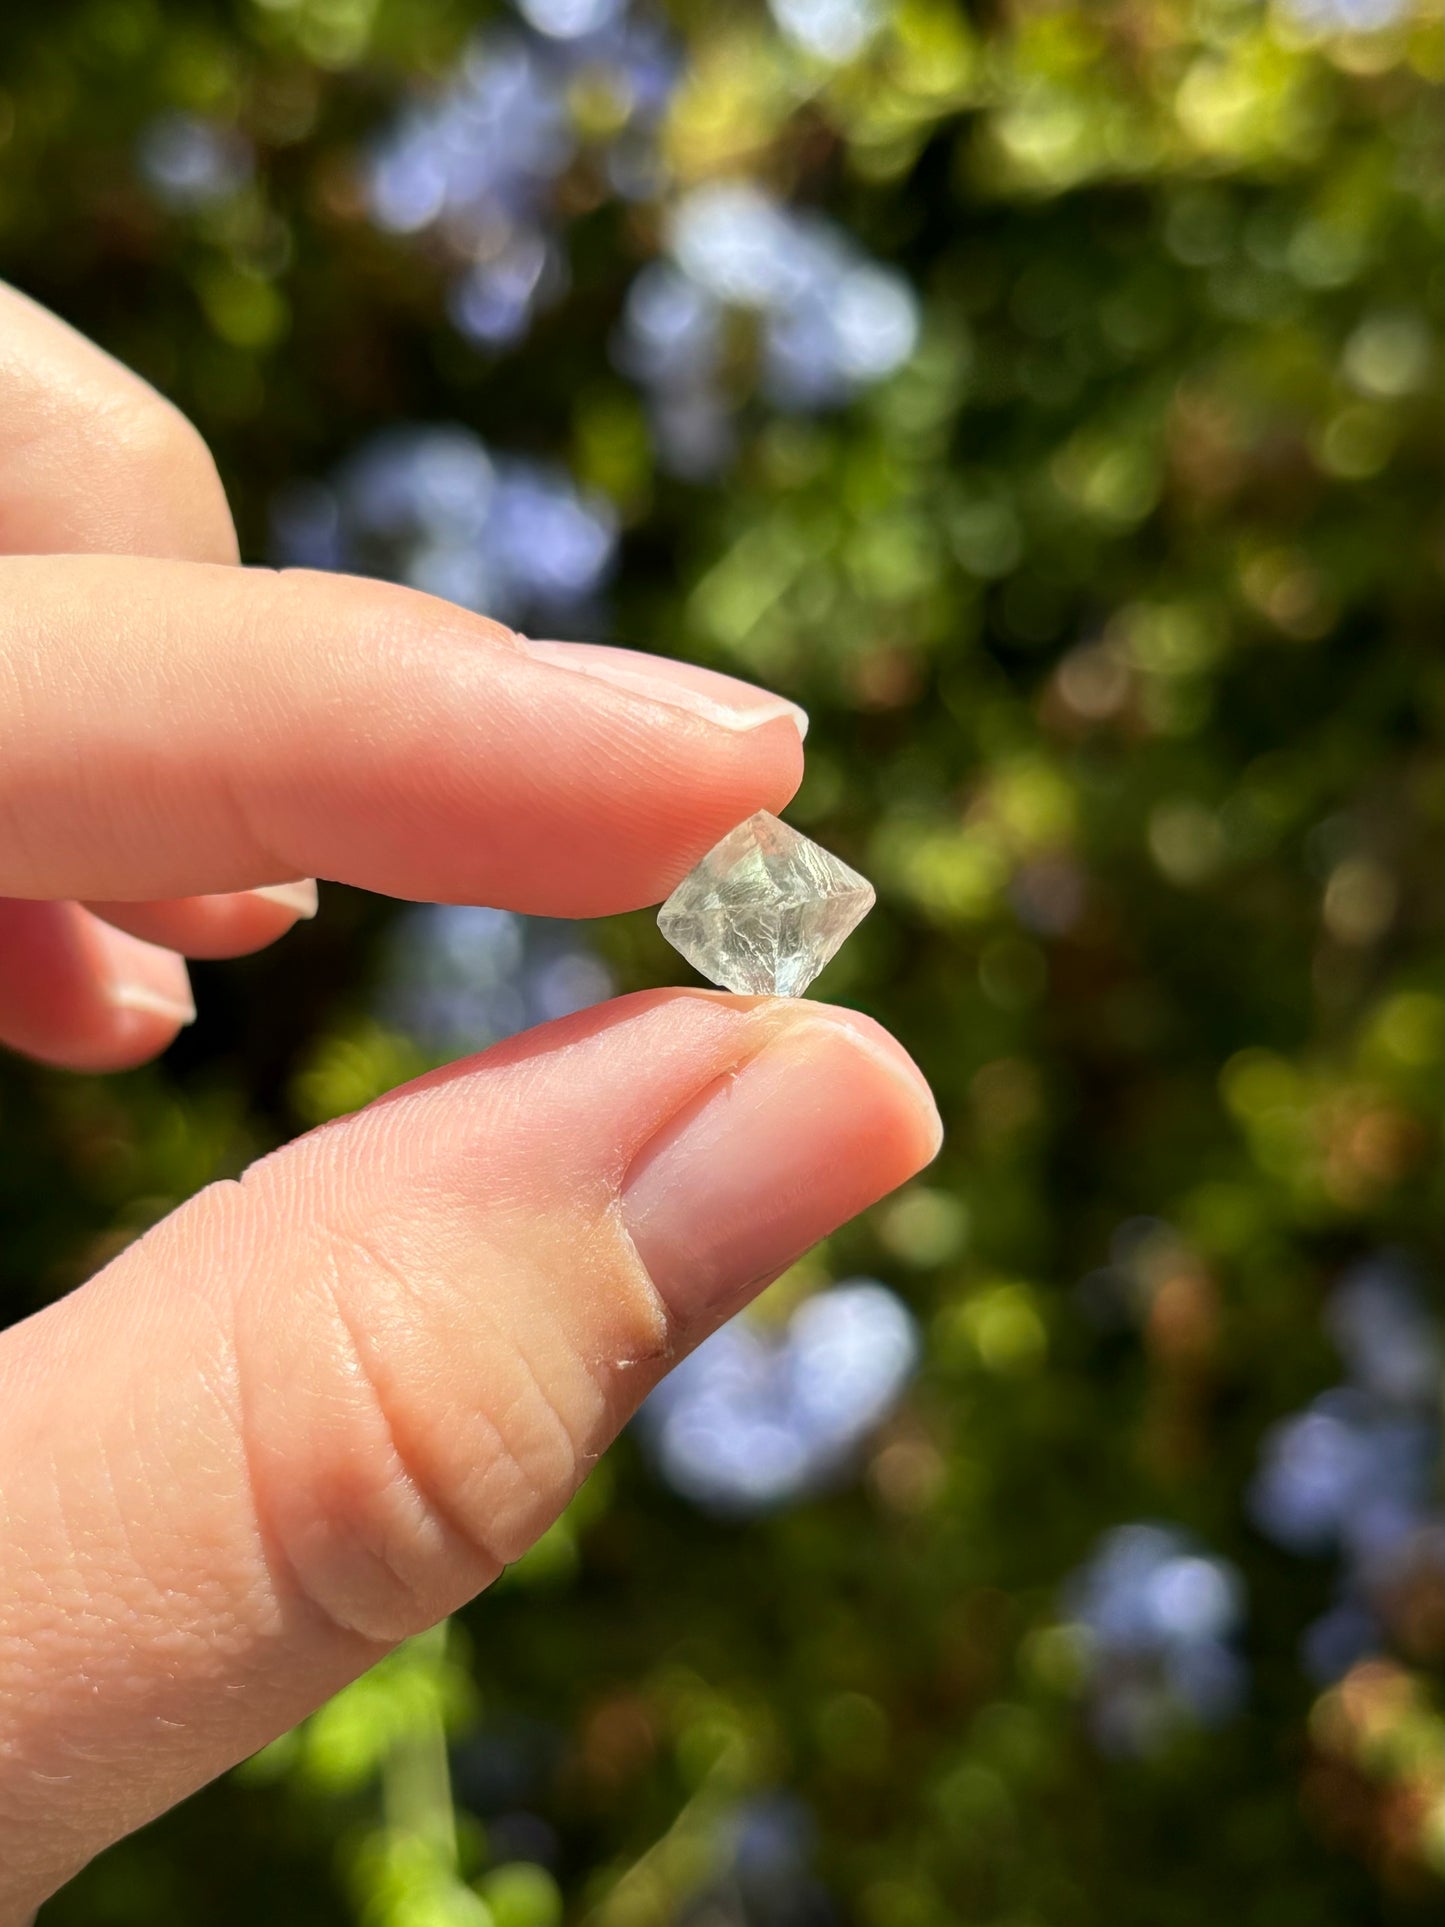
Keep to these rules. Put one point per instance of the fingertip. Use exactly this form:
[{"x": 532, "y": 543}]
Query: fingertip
[
  {"x": 137, "y": 1033},
  {"x": 145, "y": 1002},
  {"x": 920, "y": 1107},
  {"x": 760, "y": 768},
  {"x": 782, "y": 736},
  {"x": 827, "y": 1116},
  {"x": 81, "y": 996},
  {"x": 228, "y": 924},
  {"x": 725, "y": 700}
]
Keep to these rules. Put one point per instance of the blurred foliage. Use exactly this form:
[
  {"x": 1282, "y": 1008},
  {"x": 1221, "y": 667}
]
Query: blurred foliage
[{"x": 1114, "y": 606}]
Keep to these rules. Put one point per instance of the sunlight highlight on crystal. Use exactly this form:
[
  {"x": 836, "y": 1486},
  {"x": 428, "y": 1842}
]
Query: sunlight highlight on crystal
[{"x": 764, "y": 910}]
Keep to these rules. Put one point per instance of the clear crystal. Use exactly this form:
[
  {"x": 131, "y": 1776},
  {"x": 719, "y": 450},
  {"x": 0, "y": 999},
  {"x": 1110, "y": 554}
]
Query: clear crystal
[{"x": 764, "y": 910}]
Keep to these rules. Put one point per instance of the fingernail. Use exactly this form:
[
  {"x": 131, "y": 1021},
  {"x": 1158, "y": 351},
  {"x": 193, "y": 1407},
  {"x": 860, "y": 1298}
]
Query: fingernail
[
  {"x": 681, "y": 685},
  {"x": 827, "y": 1117},
  {"x": 301, "y": 899},
  {"x": 154, "y": 1002},
  {"x": 140, "y": 976}
]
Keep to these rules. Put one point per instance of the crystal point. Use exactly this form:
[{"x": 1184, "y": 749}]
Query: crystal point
[{"x": 764, "y": 910}]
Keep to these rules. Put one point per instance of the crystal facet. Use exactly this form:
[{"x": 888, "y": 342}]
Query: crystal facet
[{"x": 764, "y": 910}]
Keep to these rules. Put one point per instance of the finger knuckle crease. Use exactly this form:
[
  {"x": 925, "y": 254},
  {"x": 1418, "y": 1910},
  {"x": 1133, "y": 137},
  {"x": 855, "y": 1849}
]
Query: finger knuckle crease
[{"x": 531, "y": 1455}]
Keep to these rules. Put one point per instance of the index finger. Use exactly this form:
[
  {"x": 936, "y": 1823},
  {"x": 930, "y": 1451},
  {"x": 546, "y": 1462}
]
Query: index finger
[
  {"x": 93, "y": 460},
  {"x": 174, "y": 728}
]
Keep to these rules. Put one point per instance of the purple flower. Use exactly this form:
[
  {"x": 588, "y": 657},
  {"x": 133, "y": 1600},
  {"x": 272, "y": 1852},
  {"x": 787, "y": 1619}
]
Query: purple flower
[
  {"x": 570, "y": 19},
  {"x": 1353, "y": 1474},
  {"x": 1346, "y": 1472},
  {"x": 1384, "y": 1334},
  {"x": 188, "y": 162},
  {"x": 1159, "y": 1617},
  {"x": 431, "y": 507},
  {"x": 493, "y": 302},
  {"x": 1350, "y": 16},
  {"x": 831, "y": 30},
  {"x": 750, "y": 1420},
  {"x": 459, "y": 976},
  {"x": 829, "y": 322},
  {"x": 477, "y": 162}
]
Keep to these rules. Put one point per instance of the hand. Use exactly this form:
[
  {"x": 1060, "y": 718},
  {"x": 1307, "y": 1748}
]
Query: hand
[{"x": 315, "y": 1410}]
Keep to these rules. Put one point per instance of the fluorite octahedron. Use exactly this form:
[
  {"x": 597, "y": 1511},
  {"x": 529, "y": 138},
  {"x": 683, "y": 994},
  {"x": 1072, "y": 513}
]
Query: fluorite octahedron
[{"x": 764, "y": 910}]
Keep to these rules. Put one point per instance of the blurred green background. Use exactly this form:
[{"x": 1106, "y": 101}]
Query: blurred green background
[{"x": 1047, "y": 396}]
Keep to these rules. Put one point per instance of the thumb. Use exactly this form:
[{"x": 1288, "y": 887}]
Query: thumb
[{"x": 314, "y": 1411}]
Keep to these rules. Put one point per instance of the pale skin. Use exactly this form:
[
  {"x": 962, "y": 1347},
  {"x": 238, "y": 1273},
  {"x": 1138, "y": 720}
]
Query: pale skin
[{"x": 319, "y": 1408}]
